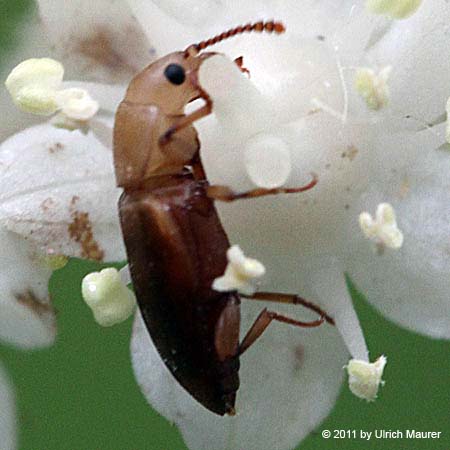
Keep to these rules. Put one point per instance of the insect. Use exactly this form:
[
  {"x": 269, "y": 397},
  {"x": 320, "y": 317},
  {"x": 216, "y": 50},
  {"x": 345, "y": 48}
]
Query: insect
[{"x": 175, "y": 243}]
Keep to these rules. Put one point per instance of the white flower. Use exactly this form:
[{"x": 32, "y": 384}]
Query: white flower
[
  {"x": 447, "y": 111},
  {"x": 27, "y": 319},
  {"x": 51, "y": 180},
  {"x": 307, "y": 241}
]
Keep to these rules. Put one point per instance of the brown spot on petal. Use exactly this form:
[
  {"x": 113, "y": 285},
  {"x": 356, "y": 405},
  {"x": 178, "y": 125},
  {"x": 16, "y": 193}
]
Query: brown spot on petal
[
  {"x": 405, "y": 187},
  {"x": 31, "y": 301},
  {"x": 380, "y": 248},
  {"x": 47, "y": 204},
  {"x": 350, "y": 153},
  {"x": 311, "y": 112},
  {"x": 98, "y": 47},
  {"x": 299, "y": 355},
  {"x": 74, "y": 199},
  {"x": 56, "y": 147},
  {"x": 80, "y": 230}
]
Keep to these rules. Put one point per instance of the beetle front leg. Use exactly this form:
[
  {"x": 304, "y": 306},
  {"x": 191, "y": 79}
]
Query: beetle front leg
[
  {"x": 187, "y": 121},
  {"x": 263, "y": 321},
  {"x": 226, "y": 194},
  {"x": 240, "y": 63}
]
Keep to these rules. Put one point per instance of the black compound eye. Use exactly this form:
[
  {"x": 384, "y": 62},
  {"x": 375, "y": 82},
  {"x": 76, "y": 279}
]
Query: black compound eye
[{"x": 175, "y": 73}]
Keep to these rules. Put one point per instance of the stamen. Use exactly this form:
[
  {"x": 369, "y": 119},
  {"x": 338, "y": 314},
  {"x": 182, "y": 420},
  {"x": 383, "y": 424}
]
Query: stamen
[
  {"x": 35, "y": 87},
  {"x": 108, "y": 297},
  {"x": 364, "y": 378},
  {"x": 396, "y": 9},
  {"x": 239, "y": 273},
  {"x": 373, "y": 87},
  {"x": 383, "y": 229}
]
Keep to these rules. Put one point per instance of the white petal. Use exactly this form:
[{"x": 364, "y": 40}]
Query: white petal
[
  {"x": 27, "y": 319},
  {"x": 58, "y": 189},
  {"x": 173, "y": 29},
  {"x": 268, "y": 161},
  {"x": 289, "y": 382},
  {"x": 190, "y": 12},
  {"x": 410, "y": 285},
  {"x": 8, "y": 412},
  {"x": 359, "y": 165},
  {"x": 14, "y": 119},
  {"x": 413, "y": 47},
  {"x": 330, "y": 289},
  {"x": 100, "y": 40},
  {"x": 297, "y": 235}
]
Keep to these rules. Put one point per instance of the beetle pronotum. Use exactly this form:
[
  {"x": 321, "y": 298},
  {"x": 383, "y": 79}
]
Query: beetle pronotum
[{"x": 175, "y": 242}]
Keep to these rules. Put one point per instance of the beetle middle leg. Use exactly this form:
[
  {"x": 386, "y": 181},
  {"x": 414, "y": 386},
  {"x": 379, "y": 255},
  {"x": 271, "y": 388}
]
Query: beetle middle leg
[
  {"x": 263, "y": 321},
  {"x": 226, "y": 194}
]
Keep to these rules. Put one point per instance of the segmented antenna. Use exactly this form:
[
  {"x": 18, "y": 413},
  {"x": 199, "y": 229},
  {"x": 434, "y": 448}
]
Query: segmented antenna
[{"x": 270, "y": 27}]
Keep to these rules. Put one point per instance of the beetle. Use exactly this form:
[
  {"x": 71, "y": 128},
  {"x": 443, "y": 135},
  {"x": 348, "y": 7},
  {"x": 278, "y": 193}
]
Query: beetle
[{"x": 175, "y": 243}]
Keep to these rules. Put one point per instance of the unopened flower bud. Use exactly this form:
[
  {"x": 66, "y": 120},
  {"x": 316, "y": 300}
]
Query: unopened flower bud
[{"x": 108, "y": 297}]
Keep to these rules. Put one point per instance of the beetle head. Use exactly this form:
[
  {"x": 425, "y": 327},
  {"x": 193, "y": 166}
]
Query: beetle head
[
  {"x": 152, "y": 136},
  {"x": 169, "y": 83}
]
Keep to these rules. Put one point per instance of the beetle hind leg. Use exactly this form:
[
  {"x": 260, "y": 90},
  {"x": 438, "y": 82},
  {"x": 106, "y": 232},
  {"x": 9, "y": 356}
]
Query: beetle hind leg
[
  {"x": 263, "y": 321},
  {"x": 291, "y": 299}
]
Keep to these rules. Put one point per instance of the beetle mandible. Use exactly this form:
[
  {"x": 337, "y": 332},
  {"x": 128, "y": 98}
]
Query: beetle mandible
[{"x": 175, "y": 243}]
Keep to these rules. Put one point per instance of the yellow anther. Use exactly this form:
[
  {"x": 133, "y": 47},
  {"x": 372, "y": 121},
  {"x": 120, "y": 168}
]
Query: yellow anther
[
  {"x": 108, "y": 297},
  {"x": 396, "y": 9},
  {"x": 364, "y": 378},
  {"x": 239, "y": 273},
  {"x": 373, "y": 87}
]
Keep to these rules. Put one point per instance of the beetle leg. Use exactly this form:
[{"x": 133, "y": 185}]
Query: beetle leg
[
  {"x": 240, "y": 63},
  {"x": 263, "y": 321},
  {"x": 197, "y": 168},
  {"x": 185, "y": 121},
  {"x": 226, "y": 194},
  {"x": 291, "y": 299}
]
